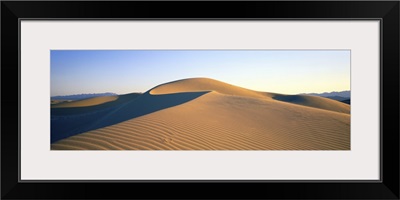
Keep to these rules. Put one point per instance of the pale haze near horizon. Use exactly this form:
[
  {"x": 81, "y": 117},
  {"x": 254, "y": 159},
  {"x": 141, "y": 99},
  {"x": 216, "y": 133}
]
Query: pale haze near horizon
[{"x": 128, "y": 71}]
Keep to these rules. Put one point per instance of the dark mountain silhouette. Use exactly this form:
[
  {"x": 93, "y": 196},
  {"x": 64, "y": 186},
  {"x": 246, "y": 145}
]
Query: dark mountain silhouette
[{"x": 345, "y": 94}]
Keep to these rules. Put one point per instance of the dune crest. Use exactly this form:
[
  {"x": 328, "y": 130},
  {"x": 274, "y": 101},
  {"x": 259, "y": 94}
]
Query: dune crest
[
  {"x": 315, "y": 102},
  {"x": 86, "y": 102},
  {"x": 205, "y": 84}
]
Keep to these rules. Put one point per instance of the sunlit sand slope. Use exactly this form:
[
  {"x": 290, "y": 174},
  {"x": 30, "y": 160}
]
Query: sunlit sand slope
[
  {"x": 86, "y": 102},
  {"x": 219, "y": 116},
  {"x": 315, "y": 102},
  {"x": 206, "y": 84}
]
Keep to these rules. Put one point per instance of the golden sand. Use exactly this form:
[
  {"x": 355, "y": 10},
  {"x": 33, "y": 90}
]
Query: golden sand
[
  {"x": 225, "y": 117},
  {"x": 85, "y": 102}
]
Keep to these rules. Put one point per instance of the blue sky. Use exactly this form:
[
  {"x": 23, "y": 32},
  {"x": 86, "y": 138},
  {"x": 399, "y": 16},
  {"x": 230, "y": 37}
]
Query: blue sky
[{"x": 127, "y": 71}]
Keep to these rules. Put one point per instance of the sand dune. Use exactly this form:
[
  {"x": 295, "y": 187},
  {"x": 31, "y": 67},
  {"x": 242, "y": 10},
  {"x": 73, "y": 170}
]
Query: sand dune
[
  {"x": 58, "y": 101},
  {"x": 69, "y": 121},
  {"x": 315, "y": 102},
  {"x": 85, "y": 102},
  {"x": 205, "y": 114},
  {"x": 206, "y": 84}
]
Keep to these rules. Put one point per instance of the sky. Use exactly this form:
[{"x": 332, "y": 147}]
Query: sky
[{"x": 127, "y": 71}]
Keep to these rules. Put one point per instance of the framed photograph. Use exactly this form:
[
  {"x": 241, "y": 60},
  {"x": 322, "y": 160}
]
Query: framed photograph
[{"x": 218, "y": 97}]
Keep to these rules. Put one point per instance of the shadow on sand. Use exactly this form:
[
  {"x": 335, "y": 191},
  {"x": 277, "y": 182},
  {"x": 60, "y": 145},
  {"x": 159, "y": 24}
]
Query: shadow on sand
[
  {"x": 296, "y": 99},
  {"x": 95, "y": 108},
  {"x": 66, "y": 122}
]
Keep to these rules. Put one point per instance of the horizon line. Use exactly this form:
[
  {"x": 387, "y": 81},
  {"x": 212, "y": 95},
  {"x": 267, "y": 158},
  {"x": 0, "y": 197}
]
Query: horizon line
[{"x": 147, "y": 90}]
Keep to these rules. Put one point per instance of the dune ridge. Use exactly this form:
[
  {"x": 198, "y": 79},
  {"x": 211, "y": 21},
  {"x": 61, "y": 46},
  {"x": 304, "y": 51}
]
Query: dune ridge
[
  {"x": 315, "y": 102},
  {"x": 207, "y": 84},
  {"x": 213, "y": 115},
  {"x": 86, "y": 102}
]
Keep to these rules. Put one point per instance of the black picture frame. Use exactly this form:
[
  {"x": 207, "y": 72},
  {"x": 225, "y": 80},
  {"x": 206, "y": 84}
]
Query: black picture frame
[{"x": 386, "y": 11}]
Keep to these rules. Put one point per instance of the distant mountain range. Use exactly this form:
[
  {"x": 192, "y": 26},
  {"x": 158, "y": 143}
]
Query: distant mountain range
[
  {"x": 82, "y": 96},
  {"x": 343, "y": 96}
]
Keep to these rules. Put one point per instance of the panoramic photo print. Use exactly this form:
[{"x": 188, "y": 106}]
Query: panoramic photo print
[{"x": 200, "y": 99}]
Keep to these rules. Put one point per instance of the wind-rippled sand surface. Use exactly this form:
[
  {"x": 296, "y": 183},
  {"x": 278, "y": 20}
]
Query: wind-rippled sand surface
[{"x": 205, "y": 114}]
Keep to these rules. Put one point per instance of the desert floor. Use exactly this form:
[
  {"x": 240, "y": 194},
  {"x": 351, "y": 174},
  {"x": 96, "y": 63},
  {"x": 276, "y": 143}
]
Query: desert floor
[{"x": 201, "y": 114}]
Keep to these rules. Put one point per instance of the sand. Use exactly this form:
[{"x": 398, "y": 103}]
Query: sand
[
  {"x": 85, "y": 102},
  {"x": 205, "y": 114}
]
